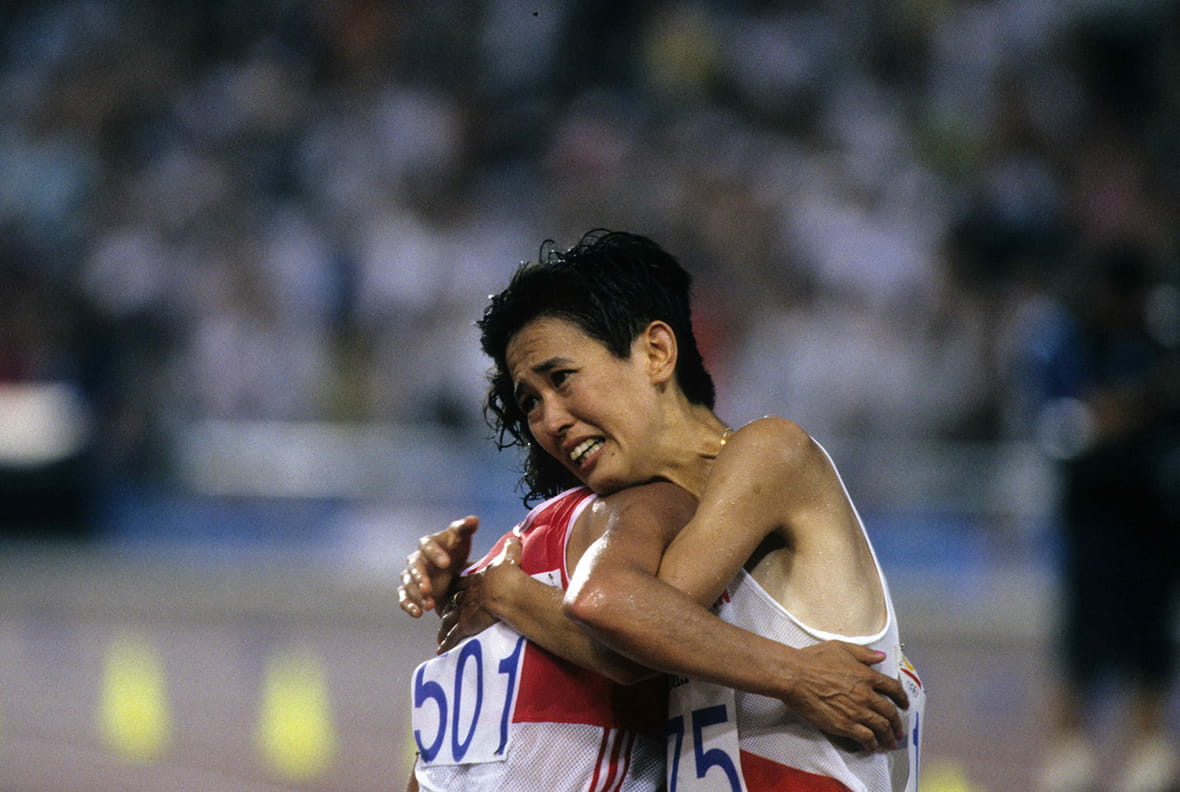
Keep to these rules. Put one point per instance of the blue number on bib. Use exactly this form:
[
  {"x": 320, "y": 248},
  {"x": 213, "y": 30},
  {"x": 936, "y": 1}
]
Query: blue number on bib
[
  {"x": 714, "y": 757},
  {"x": 704, "y": 760},
  {"x": 430, "y": 690},
  {"x": 483, "y": 670},
  {"x": 508, "y": 666},
  {"x": 459, "y": 749},
  {"x": 675, "y": 728}
]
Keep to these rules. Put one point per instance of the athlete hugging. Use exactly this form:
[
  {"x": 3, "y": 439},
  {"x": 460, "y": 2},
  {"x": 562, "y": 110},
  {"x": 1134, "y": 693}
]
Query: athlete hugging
[{"x": 666, "y": 544}]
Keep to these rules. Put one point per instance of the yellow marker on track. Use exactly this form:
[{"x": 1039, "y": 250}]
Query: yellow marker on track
[
  {"x": 295, "y": 733},
  {"x": 945, "y": 775},
  {"x": 133, "y": 717}
]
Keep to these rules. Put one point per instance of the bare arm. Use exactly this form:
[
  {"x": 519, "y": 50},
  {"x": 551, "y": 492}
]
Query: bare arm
[
  {"x": 639, "y": 520},
  {"x": 502, "y": 592},
  {"x": 830, "y": 684}
]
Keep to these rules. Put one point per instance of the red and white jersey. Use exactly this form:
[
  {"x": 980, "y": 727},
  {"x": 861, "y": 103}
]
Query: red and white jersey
[
  {"x": 497, "y": 712},
  {"x": 722, "y": 740}
]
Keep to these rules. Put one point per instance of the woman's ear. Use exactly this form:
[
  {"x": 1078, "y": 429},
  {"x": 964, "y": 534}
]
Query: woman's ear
[{"x": 659, "y": 342}]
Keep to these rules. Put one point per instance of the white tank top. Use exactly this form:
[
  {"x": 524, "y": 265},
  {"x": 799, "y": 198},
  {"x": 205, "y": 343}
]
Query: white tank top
[{"x": 721, "y": 740}]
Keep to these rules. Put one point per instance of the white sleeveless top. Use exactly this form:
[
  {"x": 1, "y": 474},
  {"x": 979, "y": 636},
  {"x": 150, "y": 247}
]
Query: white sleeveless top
[{"x": 721, "y": 740}]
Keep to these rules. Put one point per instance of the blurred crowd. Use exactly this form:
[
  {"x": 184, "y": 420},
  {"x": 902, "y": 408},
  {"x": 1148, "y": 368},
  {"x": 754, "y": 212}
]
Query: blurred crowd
[
  {"x": 287, "y": 209},
  {"x": 933, "y": 219}
]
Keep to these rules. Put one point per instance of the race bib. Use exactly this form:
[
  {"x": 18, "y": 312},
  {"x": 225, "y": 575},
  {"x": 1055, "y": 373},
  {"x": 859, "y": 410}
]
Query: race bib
[
  {"x": 702, "y": 739},
  {"x": 463, "y": 699}
]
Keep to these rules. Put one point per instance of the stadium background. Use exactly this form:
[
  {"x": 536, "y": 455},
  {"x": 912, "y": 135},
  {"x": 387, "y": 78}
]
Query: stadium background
[{"x": 242, "y": 245}]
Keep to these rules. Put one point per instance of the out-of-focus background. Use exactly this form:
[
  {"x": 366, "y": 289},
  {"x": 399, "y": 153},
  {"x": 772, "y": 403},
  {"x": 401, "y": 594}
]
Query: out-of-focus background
[{"x": 242, "y": 246}]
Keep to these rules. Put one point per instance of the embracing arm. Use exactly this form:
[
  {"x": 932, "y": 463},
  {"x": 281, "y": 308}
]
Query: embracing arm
[
  {"x": 502, "y": 592},
  {"x": 623, "y": 605},
  {"x": 830, "y": 684},
  {"x": 641, "y": 519}
]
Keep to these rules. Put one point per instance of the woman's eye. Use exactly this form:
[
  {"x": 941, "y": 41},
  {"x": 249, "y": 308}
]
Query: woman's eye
[
  {"x": 559, "y": 377},
  {"x": 527, "y": 403}
]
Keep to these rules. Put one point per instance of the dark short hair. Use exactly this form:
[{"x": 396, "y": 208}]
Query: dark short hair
[{"x": 611, "y": 285}]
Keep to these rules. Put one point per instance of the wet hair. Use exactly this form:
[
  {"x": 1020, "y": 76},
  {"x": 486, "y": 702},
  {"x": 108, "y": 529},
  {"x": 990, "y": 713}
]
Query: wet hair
[{"x": 611, "y": 285}]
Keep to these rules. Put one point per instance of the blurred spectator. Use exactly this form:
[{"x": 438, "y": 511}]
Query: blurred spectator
[
  {"x": 289, "y": 210},
  {"x": 1106, "y": 411}
]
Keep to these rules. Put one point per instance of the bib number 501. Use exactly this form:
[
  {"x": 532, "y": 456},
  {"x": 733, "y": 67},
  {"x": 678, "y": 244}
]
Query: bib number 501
[{"x": 450, "y": 695}]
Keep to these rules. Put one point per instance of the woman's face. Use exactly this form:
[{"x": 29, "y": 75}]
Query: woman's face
[{"x": 587, "y": 408}]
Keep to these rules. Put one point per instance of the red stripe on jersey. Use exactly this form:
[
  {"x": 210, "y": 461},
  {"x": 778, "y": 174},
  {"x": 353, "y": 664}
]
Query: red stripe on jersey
[
  {"x": 626, "y": 760},
  {"x": 553, "y": 690},
  {"x": 619, "y": 763},
  {"x": 598, "y": 764},
  {"x": 612, "y": 769},
  {"x": 608, "y": 743},
  {"x": 763, "y": 775}
]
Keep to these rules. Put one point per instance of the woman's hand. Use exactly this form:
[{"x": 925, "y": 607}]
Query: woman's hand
[
  {"x": 835, "y": 688},
  {"x": 431, "y": 569},
  {"x": 472, "y": 608}
]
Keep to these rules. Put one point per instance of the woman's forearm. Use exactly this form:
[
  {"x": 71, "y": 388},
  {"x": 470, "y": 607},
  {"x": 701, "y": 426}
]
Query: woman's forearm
[
  {"x": 534, "y": 609},
  {"x": 662, "y": 628}
]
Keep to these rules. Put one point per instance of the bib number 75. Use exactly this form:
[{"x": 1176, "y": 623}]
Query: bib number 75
[{"x": 711, "y": 765}]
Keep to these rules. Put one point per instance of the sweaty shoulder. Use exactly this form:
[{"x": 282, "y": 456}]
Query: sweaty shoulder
[
  {"x": 655, "y": 502},
  {"x": 769, "y": 447},
  {"x": 645, "y": 517}
]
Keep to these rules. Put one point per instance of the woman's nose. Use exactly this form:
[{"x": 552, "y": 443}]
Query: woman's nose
[{"x": 556, "y": 419}]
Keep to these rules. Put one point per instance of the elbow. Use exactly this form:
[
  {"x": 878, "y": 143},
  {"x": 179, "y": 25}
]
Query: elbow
[
  {"x": 591, "y": 610},
  {"x": 587, "y": 607},
  {"x": 596, "y": 605}
]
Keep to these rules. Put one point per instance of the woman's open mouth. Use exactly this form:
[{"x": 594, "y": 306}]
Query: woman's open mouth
[{"x": 585, "y": 449}]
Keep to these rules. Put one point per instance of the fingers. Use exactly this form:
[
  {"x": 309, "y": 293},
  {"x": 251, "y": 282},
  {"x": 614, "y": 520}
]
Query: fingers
[
  {"x": 466, "y": 526},
  {"x": 409, "y": 602},
  {"x": 893, "y": 688},
  {"x": 864, "y": 737},
  {"x": 896, "y": 728},
  {"x": 415, "y": 592},
  {"x": 412, "y": 595},
  {"x": 886, "y": 730},
  {"x": 873, "y": 731},
  {"x": 862, "y": 653},
  {"x": 886, "y": 685},
  {"x": 437, "y": 548},
  {"x": 447, "y": 639},
  {"x": 435, "y": 552},
  {"x": 891, "y": 696},
  {"x": 454, "y": 535},
  {"x": 873, "y": 718},
  {"x": 883, "y": 718}
]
